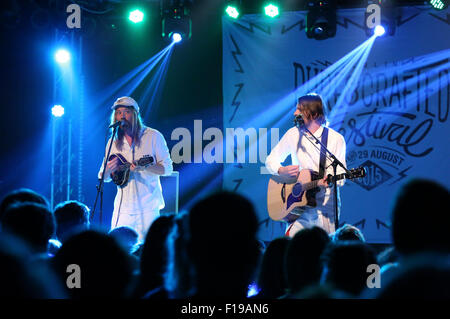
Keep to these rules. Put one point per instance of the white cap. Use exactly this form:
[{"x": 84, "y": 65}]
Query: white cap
[{"x": 125, "y": 101}]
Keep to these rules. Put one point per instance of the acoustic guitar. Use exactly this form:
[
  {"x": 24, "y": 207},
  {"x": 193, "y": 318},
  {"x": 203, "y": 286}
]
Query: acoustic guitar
[
  {"x": 122, "y": 174},
  {"x": 288, "y": 198}
]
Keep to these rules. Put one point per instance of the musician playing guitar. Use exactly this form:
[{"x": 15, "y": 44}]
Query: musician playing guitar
[
  {"x": 306, "y": 160},
  {"x": 139, "y": 196}
]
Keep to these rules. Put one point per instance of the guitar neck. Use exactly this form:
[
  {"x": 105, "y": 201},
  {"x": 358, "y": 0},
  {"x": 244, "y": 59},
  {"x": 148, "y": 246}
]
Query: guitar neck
[{"x": 313, "y": 184}]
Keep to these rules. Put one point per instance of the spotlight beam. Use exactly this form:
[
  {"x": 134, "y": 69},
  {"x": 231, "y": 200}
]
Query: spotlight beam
[
  {"x": 352, "y": 83},
  {"x": 344, "y": 72},
  {"x": 281, "y": 109},
  {"x": 117, "y": 85},
  {"x": 411, "y": 100},
  {"x": 129, "y": 89},
  {"x": 157, "y": 81},
  {"x": 327, "y": 77}
]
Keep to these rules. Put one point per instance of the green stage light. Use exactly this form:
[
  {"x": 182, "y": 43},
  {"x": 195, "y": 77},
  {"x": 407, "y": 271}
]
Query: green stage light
[
  {"x": 232, "y": 12},
  {"x": 136, "y": 16},
  {"x": 271, "y": 10},
  {"x": 438, "y": 4}
]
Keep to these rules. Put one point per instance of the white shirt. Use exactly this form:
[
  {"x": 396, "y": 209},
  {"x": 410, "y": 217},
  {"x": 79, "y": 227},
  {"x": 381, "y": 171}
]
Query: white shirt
[
  {"x": 143, "y": 191},
  {"x": 306, "y": 154}
]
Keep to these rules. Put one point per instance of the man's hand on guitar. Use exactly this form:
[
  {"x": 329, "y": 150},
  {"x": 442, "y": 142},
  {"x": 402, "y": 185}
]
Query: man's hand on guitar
[
  {"x": 288, "y": 171},
  {"x": 323, "y": 182},
  {"x": 112, "y": 166}
]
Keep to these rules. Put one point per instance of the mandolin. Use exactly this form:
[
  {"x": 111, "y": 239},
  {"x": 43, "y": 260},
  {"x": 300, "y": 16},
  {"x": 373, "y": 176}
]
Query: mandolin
[{"x": 122, "y": 174}]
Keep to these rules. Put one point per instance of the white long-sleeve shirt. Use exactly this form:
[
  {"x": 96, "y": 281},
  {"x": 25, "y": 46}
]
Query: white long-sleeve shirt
[
  {"x": 143, "y": 191},
  {"x": 306, "y": 154}
]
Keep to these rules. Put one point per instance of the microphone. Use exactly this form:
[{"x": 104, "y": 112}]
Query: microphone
[
  {"x": 118, "y": 123},
  {"x": 298, "y": 120}
]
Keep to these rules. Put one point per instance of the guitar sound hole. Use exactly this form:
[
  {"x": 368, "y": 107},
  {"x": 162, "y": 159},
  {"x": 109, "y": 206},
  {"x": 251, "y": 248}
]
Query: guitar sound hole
[{"x": 297, "y": 190}]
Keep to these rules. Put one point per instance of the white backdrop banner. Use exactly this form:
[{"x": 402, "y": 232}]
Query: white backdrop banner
[{"x": 392, "y": 107}]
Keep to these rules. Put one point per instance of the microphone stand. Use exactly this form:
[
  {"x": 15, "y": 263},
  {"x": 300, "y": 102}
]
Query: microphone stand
[
  {"x": 102, "y": 180},
  {"x": 300, "y": 124}
]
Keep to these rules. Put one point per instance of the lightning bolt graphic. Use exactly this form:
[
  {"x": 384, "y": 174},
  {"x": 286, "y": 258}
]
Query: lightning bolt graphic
[
  {"x": 234, "y": 102},
  {"x": 235, "y": 54},
  {"x": 401, "y": 174}
]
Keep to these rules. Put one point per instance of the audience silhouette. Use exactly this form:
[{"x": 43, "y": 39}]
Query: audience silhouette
[
  {"x": 348, "y": 232},
  {"x": 420, "y": 202},
  {"x": 346, "y": 264},
  {"x": 221, "y": 250},
  {"x": 422, "y": 276},
  {"x": 104, "y": 266},
  {"x": 32, "y": 222},
  {"x": 153, "y": 261},
  {"x": 21, "y": 195},
  {"x": 271, "y": 280},
  {"x": 212, "y": 251},
  {"x": 21, "y": 276},
  {"x": 303, "y": 265},
  {"x": 127, "y": 237},
  {"x": 71, "y": 217}
]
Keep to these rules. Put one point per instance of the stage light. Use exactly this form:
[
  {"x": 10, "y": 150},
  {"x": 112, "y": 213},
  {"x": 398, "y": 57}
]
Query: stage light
[
  {"x": 57, "y": 111},
  {"x": 380, "y": 13},
  {"x": 136, "y": 16},
  {"x": 253, "y": 290},
  {"x": 62, "y": 56},
  {"x": 232, "y": 8},
  {"x": 271, "y": 10},
  {"x": 321, "y": 19},
  {"x": 379, "y": 30},
  {"x": 439, "y": 4},
  {"x": 176, "y": 37},
  {"x": 176, "y": 18},
  {"x": 232, "y": 11}
]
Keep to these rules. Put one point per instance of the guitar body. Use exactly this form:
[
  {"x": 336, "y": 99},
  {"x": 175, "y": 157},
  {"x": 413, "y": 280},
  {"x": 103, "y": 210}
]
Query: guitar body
[
  {"x": 286, "y": 197},
  {"x": 121, "y": 176}
]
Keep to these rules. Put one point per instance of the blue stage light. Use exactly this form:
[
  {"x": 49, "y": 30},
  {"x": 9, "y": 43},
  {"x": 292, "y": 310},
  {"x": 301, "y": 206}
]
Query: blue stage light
[
  {"x": 379, "y": 30},
  {"x": 62, "y": 56},
  {"x": 57, "y": 111},
  {"x": 253, "y": 290},
  {"x": 176, "y": 37}
]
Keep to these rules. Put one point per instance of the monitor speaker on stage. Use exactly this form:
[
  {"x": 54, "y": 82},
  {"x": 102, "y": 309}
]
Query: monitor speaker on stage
[{"x": 170, "y": 189}]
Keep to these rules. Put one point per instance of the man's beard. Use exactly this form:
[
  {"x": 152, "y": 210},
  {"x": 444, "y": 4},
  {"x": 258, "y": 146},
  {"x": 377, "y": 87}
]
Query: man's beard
[{"x": 126, "y": 127}]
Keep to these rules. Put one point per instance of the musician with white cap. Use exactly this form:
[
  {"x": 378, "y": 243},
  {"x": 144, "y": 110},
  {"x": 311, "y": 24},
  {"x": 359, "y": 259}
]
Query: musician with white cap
[{"x": 139, "y": 198}]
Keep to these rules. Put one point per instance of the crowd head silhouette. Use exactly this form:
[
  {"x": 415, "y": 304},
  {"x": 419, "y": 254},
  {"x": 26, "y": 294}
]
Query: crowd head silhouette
[{"x": 213, "y": 251}]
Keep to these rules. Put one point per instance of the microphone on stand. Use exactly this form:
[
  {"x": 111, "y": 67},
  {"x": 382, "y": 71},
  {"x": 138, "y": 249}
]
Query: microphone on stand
[
  {"x": 298, "y": 121},
  {"x": 118, "y": 123}
]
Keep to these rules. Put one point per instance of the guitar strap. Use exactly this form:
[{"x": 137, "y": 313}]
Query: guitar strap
[{"x": 324, "y": 140}]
